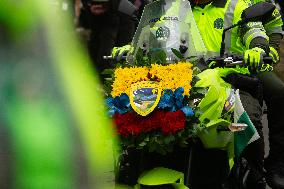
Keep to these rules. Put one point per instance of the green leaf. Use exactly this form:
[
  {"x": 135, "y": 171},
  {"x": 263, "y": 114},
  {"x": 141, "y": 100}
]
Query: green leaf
[
  {"x": 191, "y": 57},
  {"x": 196, "y": 70},
  {"x": 142, "y": 144},
  {"x": 141, "y": 59},
  {"x": 108, "y": 86},
  {"x": 157, "y": 56},
  {"x": 183, "y": 143},
  {"x": 195, "y": 79},
  {"x": 107, "y": 72},
  {"x": 147, "y": 139},
  {"x": 169, "y": 139},
  {"x": 177, "y": 53}
]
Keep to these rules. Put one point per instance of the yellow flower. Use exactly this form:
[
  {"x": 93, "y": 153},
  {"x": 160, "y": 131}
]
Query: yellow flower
[
  {"x": 171, "y": 77},
  {"x": 125, "y": 77},
  {"x": 174, "y": 76}
]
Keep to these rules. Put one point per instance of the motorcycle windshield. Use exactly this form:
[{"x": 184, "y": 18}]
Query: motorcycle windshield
[{"x": 167, "y": 24}]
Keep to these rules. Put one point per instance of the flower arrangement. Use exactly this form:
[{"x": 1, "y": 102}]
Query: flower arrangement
[{"x": 154, "y": 105}]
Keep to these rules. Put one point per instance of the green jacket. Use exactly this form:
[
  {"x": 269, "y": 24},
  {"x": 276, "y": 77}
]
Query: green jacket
[{"x": 219, "y": 14}]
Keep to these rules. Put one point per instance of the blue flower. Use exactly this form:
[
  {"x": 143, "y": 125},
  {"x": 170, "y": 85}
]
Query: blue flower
[
  {"x": 122, "y": 102},
  {"x": 179, "y": 97},
  {"x": 187, "y": 111},
  {"x": 172, "y": 101},
  {"x": 167, "y": 101},
  {"x": 119, "y": 104}
]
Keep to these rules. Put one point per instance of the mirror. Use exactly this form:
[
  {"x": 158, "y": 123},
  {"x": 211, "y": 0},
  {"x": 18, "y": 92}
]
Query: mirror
[{"x": 258, "y": 12}]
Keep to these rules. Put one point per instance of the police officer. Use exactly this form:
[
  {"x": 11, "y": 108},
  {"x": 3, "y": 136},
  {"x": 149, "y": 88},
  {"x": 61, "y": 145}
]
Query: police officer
[
  {"x": 108, "y": 27},
  {"x": 250, "y": 40},
  {"x": 274, "y": 99}
]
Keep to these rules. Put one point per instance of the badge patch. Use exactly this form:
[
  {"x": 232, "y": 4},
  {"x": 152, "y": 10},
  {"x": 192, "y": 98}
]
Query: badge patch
[
  {"x": 219, "y": 23},
  {"x": 145, "y": 96},
  {"x": 163, "y": 33}
]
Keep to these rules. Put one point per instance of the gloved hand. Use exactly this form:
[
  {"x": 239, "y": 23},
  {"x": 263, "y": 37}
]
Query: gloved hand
[
  {"x": 275, "y": 59},
  {"x": 274, "y": 55},
  {"x": 253, "y": 57},
  {"x": 118, "y": 52}
]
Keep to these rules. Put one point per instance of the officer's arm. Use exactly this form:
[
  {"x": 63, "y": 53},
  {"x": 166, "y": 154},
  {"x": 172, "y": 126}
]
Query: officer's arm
[
  {"x": 256, "y": 42},
  {"x": 273, "y": 26},
  {"x": 274, "y": 46},
  {"x": 273, "y": 23},
  {"x": 260, "y": 42},
  {"x": 253, "y": 35}
]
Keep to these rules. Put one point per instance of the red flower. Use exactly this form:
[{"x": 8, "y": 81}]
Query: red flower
[
  {"x": 151, "y": 122},
  {"x": 127, "y": 124},
  {"x": 173, "y": 122},
  {"x": 134, "y": 124}
]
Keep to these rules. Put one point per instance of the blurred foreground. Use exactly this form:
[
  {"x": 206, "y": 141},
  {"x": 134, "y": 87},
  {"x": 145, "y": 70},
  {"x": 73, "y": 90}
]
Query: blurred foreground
[{"x": 54, "y": 130}]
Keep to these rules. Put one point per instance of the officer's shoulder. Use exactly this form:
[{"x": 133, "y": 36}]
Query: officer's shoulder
[{"x": 242, "y": 5}]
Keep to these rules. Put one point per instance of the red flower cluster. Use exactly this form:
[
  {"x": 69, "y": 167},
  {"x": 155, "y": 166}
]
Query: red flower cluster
[{"x": 134, "y": 124}]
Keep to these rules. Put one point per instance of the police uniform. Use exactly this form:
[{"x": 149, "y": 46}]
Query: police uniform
[
  {"x": 221, "y": 14},
  {"x": 274, "y": 99},
  {"x": 211, "y": 19}
]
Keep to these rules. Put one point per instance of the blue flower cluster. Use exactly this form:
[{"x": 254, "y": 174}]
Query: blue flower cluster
[
  {"x": 170, "y": 101},
  {"x": 173, "y": 101},
  {"x": 119, "y": 104}
]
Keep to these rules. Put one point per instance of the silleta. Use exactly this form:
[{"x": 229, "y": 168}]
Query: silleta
[{"x": 174, "y": 18}]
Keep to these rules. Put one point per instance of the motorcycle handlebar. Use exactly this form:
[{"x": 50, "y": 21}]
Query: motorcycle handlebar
[
  {"x": 109, "y": 57},
  {"x": 233, "y": 61}
]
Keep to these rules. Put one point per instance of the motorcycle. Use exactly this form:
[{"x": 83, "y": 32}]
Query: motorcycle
[{"x": 151, "y": 157}]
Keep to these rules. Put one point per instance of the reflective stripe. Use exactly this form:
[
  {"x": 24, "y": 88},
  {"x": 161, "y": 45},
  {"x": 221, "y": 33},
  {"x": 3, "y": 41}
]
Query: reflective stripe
[
  {"x": 274, "y": 26},
  {"x": 228, "y": 21},
  {"x": 254, "y": 35},
  {"x": 275, "y": 16},
  {"x": 276, "y": 19},
  {"x": 252, "y": 32},
  {"x": 274, "y": 55}
]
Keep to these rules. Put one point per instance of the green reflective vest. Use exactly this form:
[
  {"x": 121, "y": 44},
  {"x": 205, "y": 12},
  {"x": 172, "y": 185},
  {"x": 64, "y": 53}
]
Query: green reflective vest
[{"x": 220, "y": 14}]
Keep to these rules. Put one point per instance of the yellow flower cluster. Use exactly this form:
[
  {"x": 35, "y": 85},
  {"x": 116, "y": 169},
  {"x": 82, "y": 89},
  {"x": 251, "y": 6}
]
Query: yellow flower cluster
[
  {"x": 171, "y": 77},
  {"x": 125, "y": 77}
]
